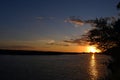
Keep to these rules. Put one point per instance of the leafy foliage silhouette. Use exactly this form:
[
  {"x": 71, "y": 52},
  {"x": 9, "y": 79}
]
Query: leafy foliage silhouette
[{"x": 105, "y": 33}]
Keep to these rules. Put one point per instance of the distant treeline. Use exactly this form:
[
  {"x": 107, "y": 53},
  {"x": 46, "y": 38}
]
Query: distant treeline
[{"x": 26, "y": 52}]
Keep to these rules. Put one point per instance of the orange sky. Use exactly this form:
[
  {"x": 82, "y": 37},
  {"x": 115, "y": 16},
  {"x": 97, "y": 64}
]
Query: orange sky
[
  {"x": 45, "y": 45},
  {"x": 45, "y": 24}
]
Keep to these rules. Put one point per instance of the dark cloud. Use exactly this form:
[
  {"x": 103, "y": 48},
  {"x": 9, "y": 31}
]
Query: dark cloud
[
  {"x": 76, "y": 41},
  {"x": 52, "y": 42},
  {"x": 75, "y": 21}
]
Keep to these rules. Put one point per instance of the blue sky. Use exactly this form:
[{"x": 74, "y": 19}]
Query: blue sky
[{"x": 35, "y": 23}]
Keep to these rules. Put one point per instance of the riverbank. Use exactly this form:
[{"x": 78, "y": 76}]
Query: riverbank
[{"x": 28, "y": 52}]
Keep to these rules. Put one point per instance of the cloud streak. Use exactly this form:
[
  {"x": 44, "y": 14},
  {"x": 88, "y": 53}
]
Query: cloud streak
[
  {"x": 58, "y": 43},
  {"x": 76, "y": 41},
  {"x": 51, "y": 42},
  {"x": 75, "y": 21},
  {"x": 45, "y": 18},
  {"x": 40, "y": 18},
  {"x": 78, "y": 22}
]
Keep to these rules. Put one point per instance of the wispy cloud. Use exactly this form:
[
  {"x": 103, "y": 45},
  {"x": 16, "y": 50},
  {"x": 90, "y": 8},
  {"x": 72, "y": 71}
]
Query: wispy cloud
[
  {"x": 76, "y": 41},
  {"x": 40, "y": 18},
  {"x": 77, "y": 22},
  {"x": 45, "y": 18},
  {"x": 58, "y": 43},
  {"x": 51, "y": 42}
]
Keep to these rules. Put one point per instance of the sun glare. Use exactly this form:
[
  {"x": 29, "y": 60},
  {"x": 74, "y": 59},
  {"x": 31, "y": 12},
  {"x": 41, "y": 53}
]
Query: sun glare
[{"x": 93, "y": 49}]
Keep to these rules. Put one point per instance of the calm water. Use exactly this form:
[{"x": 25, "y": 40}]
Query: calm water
[{"x": 54, "y": 67}]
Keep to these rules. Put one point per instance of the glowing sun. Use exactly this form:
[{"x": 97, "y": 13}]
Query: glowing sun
[{"x": 92, "y": 49}]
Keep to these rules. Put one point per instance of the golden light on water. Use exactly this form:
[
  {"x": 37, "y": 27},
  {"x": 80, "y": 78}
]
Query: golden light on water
[
  {"x": 93, "y": 56},
  {"x": 92, "y": 70},
  {"x": 92, "y": 49}
]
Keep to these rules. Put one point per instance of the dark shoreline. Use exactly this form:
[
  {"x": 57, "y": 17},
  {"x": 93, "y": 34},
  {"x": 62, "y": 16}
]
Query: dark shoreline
[{"x": 26, "y": 52}]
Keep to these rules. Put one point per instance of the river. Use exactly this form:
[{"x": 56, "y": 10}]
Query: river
[{"x": 54, "y": 67}]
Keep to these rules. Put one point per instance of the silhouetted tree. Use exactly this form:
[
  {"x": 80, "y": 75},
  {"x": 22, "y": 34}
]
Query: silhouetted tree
[
  {"x": 118, "y": 5},
  {"x": 106, "y": 32}
]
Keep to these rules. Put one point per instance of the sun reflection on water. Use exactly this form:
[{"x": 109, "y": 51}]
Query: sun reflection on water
[{"x": 93, "y": 71}]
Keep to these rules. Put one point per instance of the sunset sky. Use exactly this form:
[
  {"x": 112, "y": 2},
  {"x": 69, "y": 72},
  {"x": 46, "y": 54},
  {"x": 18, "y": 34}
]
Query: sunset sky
[{"x": 43, "y": 24}]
